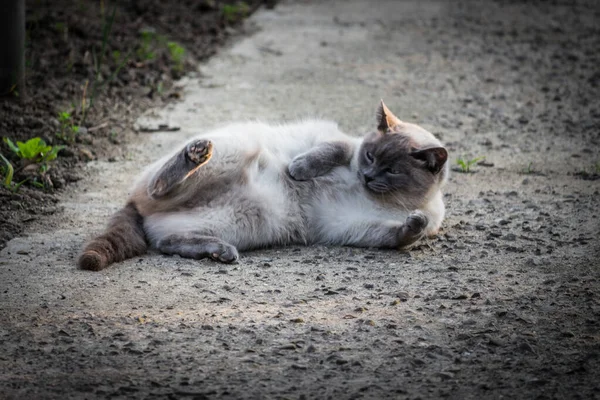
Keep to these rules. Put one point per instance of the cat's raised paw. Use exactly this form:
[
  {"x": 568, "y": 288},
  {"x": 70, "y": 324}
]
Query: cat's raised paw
[{"x": 199, "y": 151}]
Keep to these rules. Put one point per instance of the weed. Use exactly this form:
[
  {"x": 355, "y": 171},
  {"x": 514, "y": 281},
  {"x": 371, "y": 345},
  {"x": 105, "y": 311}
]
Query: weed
[
  {"x": 34, "y": 150},
  {"x": 98, "y": 61},
  {"x": 591, "y": 173},
  {"x": 116, "y": 55},
  {"x": 8, "y": 172},
  {"x": 62, "y": 29},
  {"x": 529, "y": 169},
  {"x": 465, "y": 164},
  {"x": 235, "y": 12},
  {"x": 177, "y": 52},
  {"x": 160, "y": 88},
  {"x": 146, "y": 50},
  {"x": 68, "y": 130}
]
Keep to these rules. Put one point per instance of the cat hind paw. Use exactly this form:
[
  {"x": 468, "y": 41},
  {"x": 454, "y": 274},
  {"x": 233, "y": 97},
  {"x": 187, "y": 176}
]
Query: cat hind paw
[
  {"x": 199, "y": 151},
  {"x": 226, "y": 254}
]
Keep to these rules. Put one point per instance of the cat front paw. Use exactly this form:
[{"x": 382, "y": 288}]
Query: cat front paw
[
  {"x": 413, "y": 229},
  {"x": 199, "y": 151},
  {"x": 300, "y": 170},
  {"x": 417, "y": 222}
]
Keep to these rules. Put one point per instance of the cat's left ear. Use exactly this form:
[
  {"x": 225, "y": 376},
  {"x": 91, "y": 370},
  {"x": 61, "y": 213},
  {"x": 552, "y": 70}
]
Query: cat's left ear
[
  {"x": 385, "y": 119},
  {"x": 434, "y": 158}
]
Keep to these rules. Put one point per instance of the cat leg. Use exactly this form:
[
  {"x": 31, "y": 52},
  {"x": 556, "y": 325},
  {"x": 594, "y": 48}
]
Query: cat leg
[
  {"x": 198, "y": 247},
  {"x": 361, "y": 232},
  {"x": 320, "y": 160},
  {"x": 180, "y": 167}
]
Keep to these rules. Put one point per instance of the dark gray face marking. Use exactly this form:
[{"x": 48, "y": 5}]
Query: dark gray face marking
[{"x": 388, "y": 164}]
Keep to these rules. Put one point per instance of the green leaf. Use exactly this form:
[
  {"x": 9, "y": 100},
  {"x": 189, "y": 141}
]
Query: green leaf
[
  {"x": 11, "y": 145},
  {"x": 53, "y": 153},
  {"x": 31, "y": 149},
  {"x": 9, "y": 172},
  {"x": 64, "y": 116}
]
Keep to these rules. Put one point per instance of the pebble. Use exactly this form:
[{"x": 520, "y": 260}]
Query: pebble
[{"x": 511, "y": 237}]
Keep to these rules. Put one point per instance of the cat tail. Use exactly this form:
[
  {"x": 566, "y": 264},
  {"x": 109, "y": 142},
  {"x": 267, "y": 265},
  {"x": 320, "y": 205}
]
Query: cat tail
[{"x": 123, "y": 238}]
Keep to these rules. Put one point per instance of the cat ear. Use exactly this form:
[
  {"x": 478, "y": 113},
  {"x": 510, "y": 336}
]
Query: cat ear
[
  {"x": 434, "y": 157},
  {"x": 385, "y": 119}
]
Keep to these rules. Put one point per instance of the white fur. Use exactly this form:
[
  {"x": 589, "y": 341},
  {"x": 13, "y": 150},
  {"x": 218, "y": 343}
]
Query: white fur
[{"x": 338, "y": 212}]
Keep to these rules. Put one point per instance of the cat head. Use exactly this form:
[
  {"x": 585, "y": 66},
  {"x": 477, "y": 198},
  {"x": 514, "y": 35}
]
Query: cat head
[{"x": 401, "y": 158}]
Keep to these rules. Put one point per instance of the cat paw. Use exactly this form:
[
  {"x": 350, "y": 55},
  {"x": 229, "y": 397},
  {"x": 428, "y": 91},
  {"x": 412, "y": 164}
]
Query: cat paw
[
  {"x": 300, "y": 170},
  {"x": 226, "y": 254},
  {"x": 417, "y": 222},
  {"x": 199, "y": 151}
]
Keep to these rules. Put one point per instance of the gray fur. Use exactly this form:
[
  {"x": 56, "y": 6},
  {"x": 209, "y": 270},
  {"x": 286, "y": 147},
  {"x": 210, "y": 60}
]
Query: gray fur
[{"x": 295, "y": 184}]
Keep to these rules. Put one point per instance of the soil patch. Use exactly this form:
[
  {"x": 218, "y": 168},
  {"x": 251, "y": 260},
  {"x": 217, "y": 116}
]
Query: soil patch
[{"x": 74, "y": 60}]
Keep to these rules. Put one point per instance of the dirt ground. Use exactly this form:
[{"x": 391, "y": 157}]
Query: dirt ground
[
  {"x": 134, "y": 68},
  {"x": 503, "y": 304}
]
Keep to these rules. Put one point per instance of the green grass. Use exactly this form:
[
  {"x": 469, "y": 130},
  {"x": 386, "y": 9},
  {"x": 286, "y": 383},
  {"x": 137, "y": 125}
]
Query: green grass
[
  {"x": 465, "y": 164},
  {"x": 147, "y": 43},
  {"x": 68, "y": 130},
  {"x": 177, "y": 54},
  {"x": 98, "y": 60},
  {"x": 8, "y": 171},
  {"x": 235, "y": 12},
  {"x": 529, "y": 169}
]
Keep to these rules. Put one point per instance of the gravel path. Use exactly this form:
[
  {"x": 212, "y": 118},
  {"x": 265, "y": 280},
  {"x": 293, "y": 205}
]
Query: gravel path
[{"x": 504, "y": 303}]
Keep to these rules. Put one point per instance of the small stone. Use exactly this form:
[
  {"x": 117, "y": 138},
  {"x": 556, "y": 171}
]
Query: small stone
[
  {"x": 511, "y": 237},
  {"x": 86, "y": 154}
]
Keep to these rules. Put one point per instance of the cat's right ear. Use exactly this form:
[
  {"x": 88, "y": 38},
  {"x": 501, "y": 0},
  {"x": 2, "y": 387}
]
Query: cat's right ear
[
  {"x": 434, "y": 158},
  {"x": 386, "y": 121}
]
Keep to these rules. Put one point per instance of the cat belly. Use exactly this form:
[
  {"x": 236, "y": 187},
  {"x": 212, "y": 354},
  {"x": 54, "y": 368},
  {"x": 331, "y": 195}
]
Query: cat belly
[{"x": 254, "y": 215}]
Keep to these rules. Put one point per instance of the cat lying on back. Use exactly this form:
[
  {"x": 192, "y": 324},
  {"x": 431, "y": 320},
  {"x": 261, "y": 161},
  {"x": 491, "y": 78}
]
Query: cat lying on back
[{"x": 252, "y": 185}]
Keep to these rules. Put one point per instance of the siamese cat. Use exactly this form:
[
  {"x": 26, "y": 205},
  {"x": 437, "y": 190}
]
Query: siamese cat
[{"x": 252, "y": 185}]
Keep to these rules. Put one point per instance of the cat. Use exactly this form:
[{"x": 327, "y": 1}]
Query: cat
[{"x": 252, "y": 185}]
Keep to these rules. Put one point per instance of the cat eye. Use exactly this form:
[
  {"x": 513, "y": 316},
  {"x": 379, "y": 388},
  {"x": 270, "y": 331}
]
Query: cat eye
[
  {"x": 394, "y": 171},
  {"x": 369, "y": 156}
]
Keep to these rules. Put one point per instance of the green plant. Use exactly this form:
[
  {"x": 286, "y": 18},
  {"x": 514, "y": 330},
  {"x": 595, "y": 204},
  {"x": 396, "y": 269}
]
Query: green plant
[
  {"x": 234, "y": 12},
  {"x": 465, "y": 164},
  {"x": 34, "y": 150},
  {"x": 8, "y": 172},
  {"x": 177, "y": 52},
  {"x": 98, "y": 61},
  {"x": 529, "y": 169},
  {"x": 146, "y": 50},
  {"x": 116, "y": 55},
  {"x": 68, "y": 130},
  {"x": 62, "y": 29}
]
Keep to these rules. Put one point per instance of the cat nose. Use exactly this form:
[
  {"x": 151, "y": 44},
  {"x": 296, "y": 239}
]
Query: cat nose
[{"x": 368, "y": 178}]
